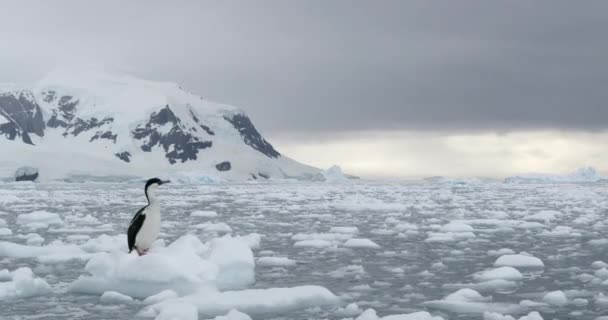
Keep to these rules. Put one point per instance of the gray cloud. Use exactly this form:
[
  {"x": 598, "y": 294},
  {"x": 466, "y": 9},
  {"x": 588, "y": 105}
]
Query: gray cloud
[{"x": 327, "y": 66}]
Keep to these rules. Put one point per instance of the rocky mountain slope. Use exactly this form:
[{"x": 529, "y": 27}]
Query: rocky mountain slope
[{"x": 100, "y": 124}]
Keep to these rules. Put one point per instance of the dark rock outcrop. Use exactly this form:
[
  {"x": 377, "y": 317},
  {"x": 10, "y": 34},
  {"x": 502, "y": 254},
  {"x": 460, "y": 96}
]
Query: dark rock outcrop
[
  {"x": 251, "y": 136},
  {"x": 124, "y": 156},
  {"x": 184, "y": 145},
  {"x": 223, "y": 166},
  {"x": 26, "y": 174},
  {"x": 66, "y": 109},
  {"x": 23, "y": 114}
]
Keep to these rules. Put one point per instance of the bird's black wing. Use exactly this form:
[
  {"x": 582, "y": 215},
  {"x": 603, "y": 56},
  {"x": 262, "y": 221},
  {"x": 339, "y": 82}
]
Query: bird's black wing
[{"x": 134, "y": 227}]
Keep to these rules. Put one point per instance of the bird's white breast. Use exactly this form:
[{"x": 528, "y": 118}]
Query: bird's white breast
[{"x": 150, "y": 229}]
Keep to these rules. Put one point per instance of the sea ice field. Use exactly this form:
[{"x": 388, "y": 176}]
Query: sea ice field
[{"x": 284, "y": 250}]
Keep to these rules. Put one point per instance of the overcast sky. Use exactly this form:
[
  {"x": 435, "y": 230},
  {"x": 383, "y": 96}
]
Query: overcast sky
[{"x": 321, "y": 76}]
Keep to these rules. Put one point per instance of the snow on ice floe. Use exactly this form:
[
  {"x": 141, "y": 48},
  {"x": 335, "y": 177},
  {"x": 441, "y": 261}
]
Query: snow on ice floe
[
  {"x": 113, "y": 297},
  {"x": 470, "y": 301},
  {"x": 556, "y": 298},
  {"x": 497, "y": 316},
  {"x": 361, "y": 243},
  {"x": 39, "y": 219},
  {"x": 219, "y": 227},
  {"x": 275, "y": 262},
  {"x": 21, "y": 283},
  {"x": 184, "y": 266},
  {"x": 253, "y": 302},
  {"x": 203, "y": 214},
  {"x": 370, "y": 314},
  {"x": 519, "y": 260},
  {"x": 503, "y": 273}
]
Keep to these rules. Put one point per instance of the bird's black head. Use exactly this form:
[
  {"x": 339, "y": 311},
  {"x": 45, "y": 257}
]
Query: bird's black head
[{"x": 155, "y": 181}]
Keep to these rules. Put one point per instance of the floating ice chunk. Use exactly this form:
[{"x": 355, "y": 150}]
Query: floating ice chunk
[
  {"x": 33, "y": 239},
  {"x": 406, "y": 227},
  {"x": 544, "y": 216},
  {"x": 470, "y": 301},
  {"x": 252, "y": 240},
  {"x": 22, "y": 284},
  {"x": 456, "y": 227},
  {"x": 184, "y": 266},
  {"x": 601, "y": 301},
  {"x": 353, "y": 270},
  {"x": 344, "y": 230},
  {"x": 519, "y": 260},
  {"x": 204, "y": 214},
  {"x": 332, "y": 175},
  {"x": 484, "y": 286},
  {"x": 178, "y": 311},
  {"x": 466, "y": 295},
  {"x": 39, "y": 217},
  {"x": 275, "y": 261},
  {"x": 602, "y": 273},
  {"x": 234, "y": 315},
  {"x": 449, "y": 236},
  {"x": 161, "y": 296},
  {"x": 352, "y": 309},
  {"x": 52, "y": 253},
  {"x": 556, "y": 298},
  {"x": 504, "y": 273},
  {"x": 599, "y": 265},
  {"x": 500, "y": 252},
  {"x": 361, "y": 243},
  {"x": 5, "y": 232},
  {"x": 214, "y": 227},
  {"x": 313, "y": 244},
  {"x": 370, "y": 314},
  {"x": 235, "y": 261},
  {"x": 496, "y": 316},
  {"x": 560, "y": 231},
  {"x": 255, "y": 302},
  {"x": 333, "y": 237},
  {"x": 113, "y": 297}
]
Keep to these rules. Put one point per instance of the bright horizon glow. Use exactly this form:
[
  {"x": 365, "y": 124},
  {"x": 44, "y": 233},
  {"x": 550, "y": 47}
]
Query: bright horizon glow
[{"x": 408, "y": 154}]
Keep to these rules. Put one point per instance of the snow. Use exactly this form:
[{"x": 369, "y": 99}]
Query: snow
[
  {"x": 203, "y": 214},
  {"x": 556, "y": 298},
  {"x": 333, "y": 175},
  {"x": 42, "y": 218},
  {"x": 113, "y": 297},
  {"x": 252, "y": 301},
  {"x": 346, "y": 230},
  {"x": 183, "y": 266},
  {"x": 519, "y": 260},
  {"x": 504, "y": 273},
  {"x": 361, "y": 243},
  {"x": 275, "y": 261},
  {"x": 234, "y": 315},
  {"x": 161, "y": 296},
  {"x": 456, "y": 227},
  {"x": 130, "y": 102},
  {"x": 22, "y": 284},
  {"x": 497, "y": 316},
  {"x": 313, "y": 244},
  {"x": 370, "y": 314},
  {"x": 214, "y": 227},
  {"x": 260, "y": 269}
]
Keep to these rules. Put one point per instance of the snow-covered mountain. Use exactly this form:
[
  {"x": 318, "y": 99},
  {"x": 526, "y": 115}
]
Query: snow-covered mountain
[{"x": 100, "y": 124}]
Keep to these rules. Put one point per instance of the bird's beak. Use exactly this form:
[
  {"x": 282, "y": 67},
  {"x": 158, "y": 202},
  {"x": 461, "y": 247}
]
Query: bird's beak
[{"x": 166, "y": 181}]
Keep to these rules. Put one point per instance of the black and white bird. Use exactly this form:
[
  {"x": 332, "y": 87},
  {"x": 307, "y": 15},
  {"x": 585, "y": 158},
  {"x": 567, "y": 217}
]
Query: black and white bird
[{"x": 145, "y": 226}]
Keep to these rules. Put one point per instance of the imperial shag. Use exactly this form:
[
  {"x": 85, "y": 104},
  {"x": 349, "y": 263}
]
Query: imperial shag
[{"x": 145, "y": 226}]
